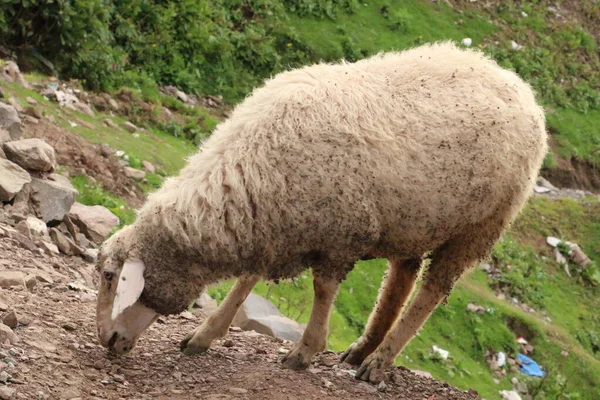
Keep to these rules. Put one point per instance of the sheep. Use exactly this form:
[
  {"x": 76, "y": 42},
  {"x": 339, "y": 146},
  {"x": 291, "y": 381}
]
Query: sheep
[{"x": 429, "y": 153}]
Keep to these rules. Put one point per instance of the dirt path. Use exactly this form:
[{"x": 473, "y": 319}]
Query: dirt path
[{"x": 57, "y": 356}]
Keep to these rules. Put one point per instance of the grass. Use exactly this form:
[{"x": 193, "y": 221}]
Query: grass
[{"x": 370, "y": 30}]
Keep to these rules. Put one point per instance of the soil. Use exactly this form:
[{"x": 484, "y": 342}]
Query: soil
[
  {"x": 82, "y": 157},
  {"x": 58, "y": 356},
  {"x": 575, "y": 174}
]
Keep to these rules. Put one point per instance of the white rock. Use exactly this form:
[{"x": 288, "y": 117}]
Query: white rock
[
  {"x": 514, "y": 45},
  {"x": 467, "y": 42},
  {"x": 130, "y": 127},
  {"x": 260, "y": 315}
]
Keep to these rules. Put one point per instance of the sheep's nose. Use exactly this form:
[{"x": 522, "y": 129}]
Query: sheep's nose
[{"x": 113, "y": 340}]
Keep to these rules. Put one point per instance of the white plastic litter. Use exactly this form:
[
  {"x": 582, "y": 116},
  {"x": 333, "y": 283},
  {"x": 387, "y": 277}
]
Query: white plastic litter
[
  {"x": 466, "y": 42},
  {"x": 443, "y": 353},
  {"x": 501, "y": 361}
]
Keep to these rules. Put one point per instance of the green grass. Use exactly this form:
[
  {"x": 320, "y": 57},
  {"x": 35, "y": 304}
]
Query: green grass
[
  {"x": 368, "y": 30},
  {"x": 577, "y": 134}
]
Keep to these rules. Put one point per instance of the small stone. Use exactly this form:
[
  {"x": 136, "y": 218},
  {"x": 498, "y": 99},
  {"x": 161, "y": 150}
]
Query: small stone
[
  {"x": 4, "y": 377},
  {"x": 282, "y": 350},
  {"x": 382, "y": 387},
  {"x": 187, "y": 315},
  {"x": 31, "y": 101},
  {"x": 148, "y": 166},
  {"x": 376, "y": 376},
  {"x": 109, "y": 122},
  {"x": 235, "y": 390},
  {"x": 12, "y": 278},
  {"x": 119, "y": 378},
  {"x": 10, "y": 319},
  {"x": 228, "y": 343},
  {"x": 69, "y": 326},
  {"x": 130, "y": 127},
  {"x": 7, "y": 393},
  {"x": 134, "y": 173},
  {"x": 91, "y": 255},
  {"x": 49, "y": 248}
]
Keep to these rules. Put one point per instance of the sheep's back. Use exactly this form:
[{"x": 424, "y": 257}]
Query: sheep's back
[{"x": 400, "y": 152}]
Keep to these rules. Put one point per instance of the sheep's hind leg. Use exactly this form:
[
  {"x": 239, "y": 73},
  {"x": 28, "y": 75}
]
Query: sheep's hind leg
[
  {"x": 314, "y": 338},
  {"x": 395, "y": 292},
  {"x": 447, "y": 265},
  {"x": 217, "y": 325}
]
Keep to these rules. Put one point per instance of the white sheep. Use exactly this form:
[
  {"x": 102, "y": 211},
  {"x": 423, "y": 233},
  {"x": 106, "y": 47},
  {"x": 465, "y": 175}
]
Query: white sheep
[{"x": 431, "y": 149}]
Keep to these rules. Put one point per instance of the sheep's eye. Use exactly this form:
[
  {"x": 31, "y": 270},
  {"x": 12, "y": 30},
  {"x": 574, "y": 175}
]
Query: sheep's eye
[{"x": 108, "y": 275}]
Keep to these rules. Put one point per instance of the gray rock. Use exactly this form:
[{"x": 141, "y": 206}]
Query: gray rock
[
  {"x": 49, "y": 248},
  {"x": 24, "y": 241},
  {"x": 109, "y": 122},
  {"x": 12, "y": 179},
  {"x": 33, "y": 154},
  {"x": 9, "y": 120},
  {"x": 134, "y": 173},
  {"x": 91, "y": 255},
  {"x": 84, "y": 108},
  {"x": 10, "y": 319},
  {"x": 11, "y": 279},
  {"x": 64, "y": 244},
  {"x": 130, "y": 127},
  {"x": 33, "y": 112},
  {"x": 149, "y": 167},
  {"x": 113, "y": 104},
  {"x": 260, "y": 315},
  {"x": 53, "y": 199},
  {"x": 4, "y": 137},
  {"x": 36, "y": 227},
  {"x": 206, "y": 303},
  {"x": 13, "y": 102},
  {"x": 95, "y": 222},
  {"x": 7, "y": 393},
  {"x": 11, "y": 73}
]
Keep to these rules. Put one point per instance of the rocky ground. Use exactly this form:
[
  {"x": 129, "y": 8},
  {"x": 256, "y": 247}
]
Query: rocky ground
[{"x": 52, "y": 351}]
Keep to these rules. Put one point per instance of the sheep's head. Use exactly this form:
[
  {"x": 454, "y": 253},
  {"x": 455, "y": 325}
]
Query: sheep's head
[{"x": 121, "y": 317}]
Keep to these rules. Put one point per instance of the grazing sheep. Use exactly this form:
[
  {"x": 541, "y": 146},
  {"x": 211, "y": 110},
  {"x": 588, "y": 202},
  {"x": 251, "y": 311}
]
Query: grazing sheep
[{"x": 434, "y": 149}]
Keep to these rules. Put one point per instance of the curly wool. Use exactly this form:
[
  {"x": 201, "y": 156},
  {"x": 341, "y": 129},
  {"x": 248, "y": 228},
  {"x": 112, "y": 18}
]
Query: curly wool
[{"x": 390, "y": 156}]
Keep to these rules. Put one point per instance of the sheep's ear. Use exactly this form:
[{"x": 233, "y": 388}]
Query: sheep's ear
[{"x": 129, "y": 287}]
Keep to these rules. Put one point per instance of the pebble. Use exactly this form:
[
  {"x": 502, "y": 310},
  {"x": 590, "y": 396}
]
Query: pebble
[
  {"x": 376, "y": 376},
  {"x": 228, "y": 343},
  {"x": 235, "y": 390},
  {"x": 119, "y": 378},
  {"x": 382, "y": 387}
]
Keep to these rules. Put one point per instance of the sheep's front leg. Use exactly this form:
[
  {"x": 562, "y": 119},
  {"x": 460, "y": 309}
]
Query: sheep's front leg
[
  {"x": 314, "y": 338},
  {"x": 217, "y": 325}
]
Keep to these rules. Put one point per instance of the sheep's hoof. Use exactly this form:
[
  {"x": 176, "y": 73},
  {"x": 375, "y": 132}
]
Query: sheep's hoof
[
  {"x": 296, "y": 360},
  {"x": 188, "y": 347},
  {"x": 371, "y": 363},
  {"x": 355, "y": 354}
]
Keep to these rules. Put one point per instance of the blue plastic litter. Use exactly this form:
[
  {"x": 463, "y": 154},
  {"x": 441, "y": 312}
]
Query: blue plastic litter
[{"x": 529, "y": 367}]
